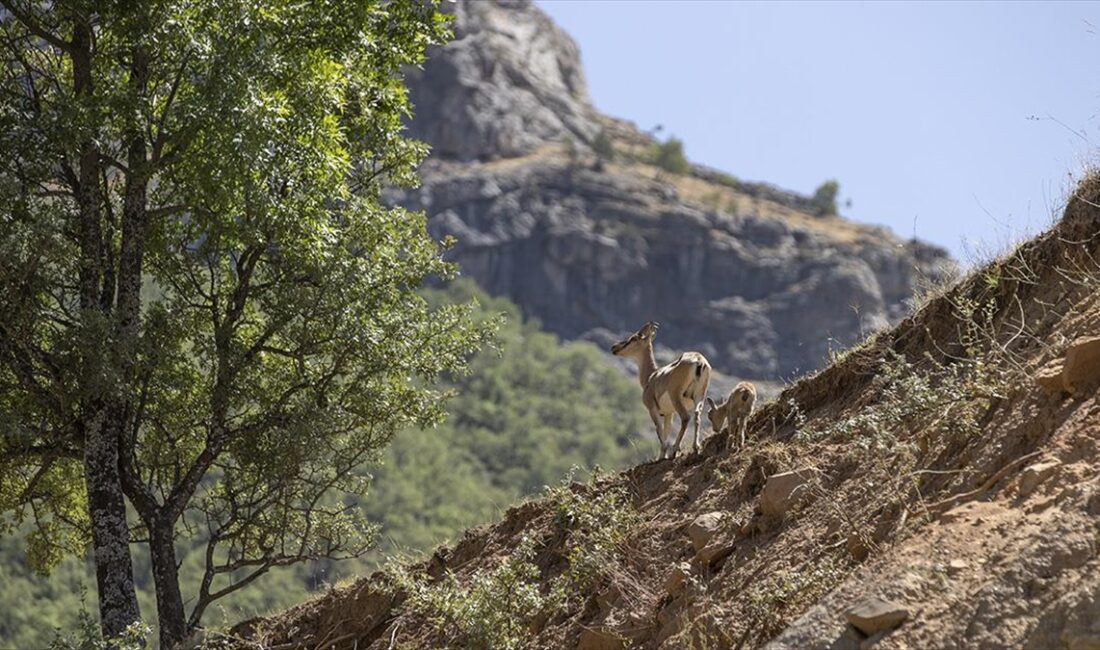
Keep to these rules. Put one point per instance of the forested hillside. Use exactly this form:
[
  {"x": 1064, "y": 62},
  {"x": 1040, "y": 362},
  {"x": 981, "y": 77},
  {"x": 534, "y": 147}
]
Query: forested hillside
[{"x": 519, "y": 420}]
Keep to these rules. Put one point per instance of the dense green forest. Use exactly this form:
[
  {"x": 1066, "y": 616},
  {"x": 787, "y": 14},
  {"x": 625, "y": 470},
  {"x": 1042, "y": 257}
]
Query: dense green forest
[{"x": 521, "y": 419}]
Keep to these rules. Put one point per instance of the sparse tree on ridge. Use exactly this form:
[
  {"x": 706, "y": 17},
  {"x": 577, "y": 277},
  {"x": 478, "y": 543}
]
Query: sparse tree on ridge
[
  {"x": 825, "y": 198},
  {"x": 204, "y": 309}
]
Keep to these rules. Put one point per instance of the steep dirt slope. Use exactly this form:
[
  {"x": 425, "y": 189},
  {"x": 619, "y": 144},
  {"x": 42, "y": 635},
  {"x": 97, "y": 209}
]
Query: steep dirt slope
[{"x": 948, "y": 467}]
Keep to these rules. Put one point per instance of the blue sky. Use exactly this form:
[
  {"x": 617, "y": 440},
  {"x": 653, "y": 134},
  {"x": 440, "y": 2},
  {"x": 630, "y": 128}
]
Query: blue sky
[{"x": 959, "y": 122}]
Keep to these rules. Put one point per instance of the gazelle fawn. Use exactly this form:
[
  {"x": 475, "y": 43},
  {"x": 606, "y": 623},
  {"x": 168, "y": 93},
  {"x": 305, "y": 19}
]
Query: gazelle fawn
[
  {"x": 734, "y": 413},
  {"x": 678, "y": 387}
]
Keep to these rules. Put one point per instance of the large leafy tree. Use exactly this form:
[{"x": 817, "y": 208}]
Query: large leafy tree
[{"x": 204, "y": 309}]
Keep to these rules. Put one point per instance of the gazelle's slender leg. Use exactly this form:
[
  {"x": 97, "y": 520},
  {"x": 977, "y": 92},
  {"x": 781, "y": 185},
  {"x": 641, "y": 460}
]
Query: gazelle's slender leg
[
  {"x": 685, "y": 417},
  {"x": 666, "y": 442},
  {"x": 698, "y": 416},
  {"x": 656, "y": 417}
]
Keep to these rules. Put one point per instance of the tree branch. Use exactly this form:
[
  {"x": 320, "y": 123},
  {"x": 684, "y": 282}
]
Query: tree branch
[{"x": 36, "y": 27}]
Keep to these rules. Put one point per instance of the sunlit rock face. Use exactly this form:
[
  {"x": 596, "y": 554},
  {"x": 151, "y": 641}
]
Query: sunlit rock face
[
  {"x": 746, "y": 273},
  {"x": 509, "y": 81}
]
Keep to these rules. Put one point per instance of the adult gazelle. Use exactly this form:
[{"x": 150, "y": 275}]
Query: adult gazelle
[{"x": 679, "y": 387}]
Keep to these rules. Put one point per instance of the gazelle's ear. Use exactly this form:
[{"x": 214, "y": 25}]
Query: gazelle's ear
[{"x": 711, "y": 404}]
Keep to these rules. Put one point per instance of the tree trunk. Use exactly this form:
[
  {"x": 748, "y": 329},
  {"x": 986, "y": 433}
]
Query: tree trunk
[
  {"x": 162, "y": 550},
  {"x": 118, "y": 606}
]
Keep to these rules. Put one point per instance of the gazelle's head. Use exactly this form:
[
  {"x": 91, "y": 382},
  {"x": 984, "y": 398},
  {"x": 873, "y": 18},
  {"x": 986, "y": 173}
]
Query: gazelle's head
[
  {"x": 717, "y": 414},
  {"x": 636, "y": 342}
]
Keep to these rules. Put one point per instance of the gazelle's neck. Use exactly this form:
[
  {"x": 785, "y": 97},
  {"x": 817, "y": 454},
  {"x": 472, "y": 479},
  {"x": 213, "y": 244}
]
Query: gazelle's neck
[{"x": 647, "y": 365}]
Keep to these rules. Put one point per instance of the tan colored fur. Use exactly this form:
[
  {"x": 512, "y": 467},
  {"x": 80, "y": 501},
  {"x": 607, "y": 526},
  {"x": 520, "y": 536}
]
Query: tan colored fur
[
  {"x": 733, "y": 414},
  {"x": 678, "y": 387}
]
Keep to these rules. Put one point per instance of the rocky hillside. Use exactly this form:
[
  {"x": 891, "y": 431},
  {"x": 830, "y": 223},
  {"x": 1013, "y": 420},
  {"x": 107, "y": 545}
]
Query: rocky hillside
[
  {"x": 935, "y": 487},
  {"x": 748, "y": 274}
]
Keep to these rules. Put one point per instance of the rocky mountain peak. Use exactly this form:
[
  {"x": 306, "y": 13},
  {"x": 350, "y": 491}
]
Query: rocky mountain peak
[
  {"x": 761, "y": 280},
  {"x": 510, "y": 81}
]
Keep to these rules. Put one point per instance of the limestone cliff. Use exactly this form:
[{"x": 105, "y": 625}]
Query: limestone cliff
[{"x": 746, "y": 273}]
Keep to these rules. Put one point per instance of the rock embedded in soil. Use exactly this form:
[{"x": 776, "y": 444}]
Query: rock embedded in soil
[
  {"x": 1079, "y": 368},
  {"x": 1050, "y": 378},
  {"x": 783, "y": 491},
  {"x": 857, "y": 547},
  {"x": 599, "y": 638},
  {"x": 956, "y": 566},
  {"x": 1034, "y": 475},
  {"x": 874, "y": 615},
  {"x": 714, "y": 551},
  {"x": 678, "y": 578},
  {"x": 704, "y": 528},
  {"x": 1082, "y": 365}
]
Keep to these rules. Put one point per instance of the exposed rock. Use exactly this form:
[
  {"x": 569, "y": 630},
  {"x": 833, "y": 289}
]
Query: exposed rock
[
  {"x": 678, "y": 578},
  {"x": 509, "y": 81},
  {"x": 1050, "y": 378},
  {"x": 1082, "y": 365},
  {"x": 704, "y": 528},
  {"x": 584, "y": 250},
  {"x": 1079, "y": 368},
  {"x": 783, "y": 491},
  {"x": 1034, "y": 475},
  {"x": 957, "y": 566},
  {"x": 671, "y": 618},
  {"x": 875, "y": 615},
  {"x": 600, "y": 638},
  {"x": 857, "y": 547},
  {"x": 714, "y": 551}
]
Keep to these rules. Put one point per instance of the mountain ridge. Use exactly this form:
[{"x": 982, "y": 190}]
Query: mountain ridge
[{"x": 593, "y": 246}]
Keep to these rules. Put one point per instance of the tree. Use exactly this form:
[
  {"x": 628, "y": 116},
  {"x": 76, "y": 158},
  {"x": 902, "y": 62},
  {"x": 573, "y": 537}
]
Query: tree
[
  {"x": 204, "y": 307},
  {"x": 603, "y": 147},
  {"x": 669, "y": 156},
  {"x": 824, "y": 198}
]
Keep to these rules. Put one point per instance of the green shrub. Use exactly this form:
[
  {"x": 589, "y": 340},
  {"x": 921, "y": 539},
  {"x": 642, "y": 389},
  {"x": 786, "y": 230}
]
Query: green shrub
[
  {"x": 825, "y": 197},
  {"x": 597, "y": 521},
  {"x": 603, "y": 147},
  {"x": 498, "y": 606},
  {"x": 494, "y": 610},
  {"x": 669, "y": 156},
  {"x": 88, "y": 636}
]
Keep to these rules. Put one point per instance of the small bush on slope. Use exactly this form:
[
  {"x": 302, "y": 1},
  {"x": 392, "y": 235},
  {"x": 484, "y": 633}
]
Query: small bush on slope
[{"x": 499, "y": 607}]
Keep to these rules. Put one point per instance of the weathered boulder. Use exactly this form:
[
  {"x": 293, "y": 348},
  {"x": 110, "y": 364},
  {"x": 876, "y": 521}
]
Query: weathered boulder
[
  {"x": 875, "y": 615},
  {"x": 678, "y": 578},
  {"x": 782, "y": 491},
  {"x": 857, "y": 547},
  {"x": 600, "y": 638},
  {"x": 1049, "y": 378},
  {"x": 714, "y": 551},
  {"x": 1034, "y": 475},
  {"x": 1079, "y": 368},
  {"x": 703, "y": 529},
  {"x": 1082, "y": 365},
  {"x": 509, "y": 81},
  {"x": 956, "y": 566}
]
